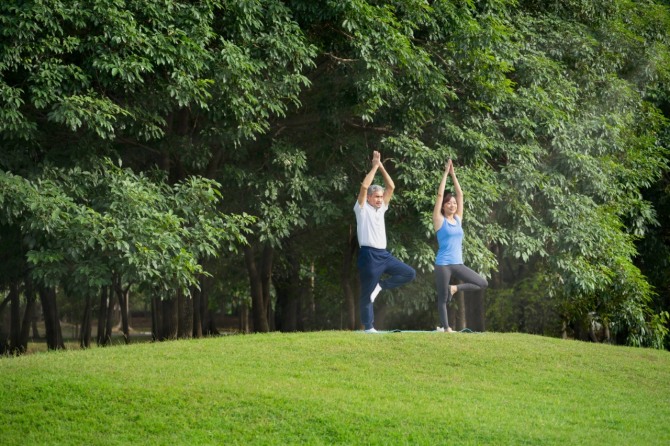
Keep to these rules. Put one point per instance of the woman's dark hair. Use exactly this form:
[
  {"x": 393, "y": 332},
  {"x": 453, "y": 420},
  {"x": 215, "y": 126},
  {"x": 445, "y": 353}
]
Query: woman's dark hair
[{"x": 448, "y": 196}]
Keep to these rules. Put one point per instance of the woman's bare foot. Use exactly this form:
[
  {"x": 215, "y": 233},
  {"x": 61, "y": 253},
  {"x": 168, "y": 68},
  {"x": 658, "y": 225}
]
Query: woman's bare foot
[
  {"x": 453, "y": 289},
  {"x": 448, "y": 330}
]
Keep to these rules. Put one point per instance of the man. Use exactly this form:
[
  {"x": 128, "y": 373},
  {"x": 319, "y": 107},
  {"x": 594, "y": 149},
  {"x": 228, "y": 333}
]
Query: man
[{"x": 373, "y": 259}]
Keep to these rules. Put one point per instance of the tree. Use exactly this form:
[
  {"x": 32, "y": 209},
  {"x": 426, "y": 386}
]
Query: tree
[
  {"x": 107, "y": 228},
  {"x": 171, "y": 84},
  {"x": 545, "y": 100}
]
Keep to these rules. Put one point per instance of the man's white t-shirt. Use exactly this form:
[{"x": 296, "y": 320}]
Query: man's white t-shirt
[{"x": 370, "y": 225}]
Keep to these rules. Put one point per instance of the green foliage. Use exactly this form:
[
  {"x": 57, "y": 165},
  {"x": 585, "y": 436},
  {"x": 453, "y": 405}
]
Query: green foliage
[
  {"x": 284, "y": 194},
  {"x": 525, "y": 307},
  {"x": 84, "y": 226},
  {"x": 544, "y": 109},
  {"x": 118, "y": 71}
]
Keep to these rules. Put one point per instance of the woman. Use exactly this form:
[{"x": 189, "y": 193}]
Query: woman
[{"x": 447, "y": 218}]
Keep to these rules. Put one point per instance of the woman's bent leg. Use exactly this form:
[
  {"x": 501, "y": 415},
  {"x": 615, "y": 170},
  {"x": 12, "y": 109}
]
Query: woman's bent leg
[{"x": 471, "y": 280}]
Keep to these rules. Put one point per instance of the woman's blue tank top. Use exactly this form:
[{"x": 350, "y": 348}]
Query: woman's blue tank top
[{"x": 450, "y": 242}]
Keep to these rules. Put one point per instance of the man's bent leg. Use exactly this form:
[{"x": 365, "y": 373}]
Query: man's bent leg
[{"x": 400, "y": 273}]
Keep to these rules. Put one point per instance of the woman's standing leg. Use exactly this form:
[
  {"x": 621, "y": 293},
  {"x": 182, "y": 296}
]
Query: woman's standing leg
[{"x": 442, "y": 278}]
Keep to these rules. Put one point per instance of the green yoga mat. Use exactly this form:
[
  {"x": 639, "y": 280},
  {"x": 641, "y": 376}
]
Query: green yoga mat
[{"x": 465, "y": 330}]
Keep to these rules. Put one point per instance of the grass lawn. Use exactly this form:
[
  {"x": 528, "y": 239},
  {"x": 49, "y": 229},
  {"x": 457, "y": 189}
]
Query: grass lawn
[{"x": 340, "y": 388}]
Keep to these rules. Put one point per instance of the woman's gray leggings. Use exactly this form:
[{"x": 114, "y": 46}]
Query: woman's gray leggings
[{"x": 443, "y": 274}]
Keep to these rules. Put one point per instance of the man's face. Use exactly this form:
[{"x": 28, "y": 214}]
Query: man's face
[{"x": 376, "y": 199}]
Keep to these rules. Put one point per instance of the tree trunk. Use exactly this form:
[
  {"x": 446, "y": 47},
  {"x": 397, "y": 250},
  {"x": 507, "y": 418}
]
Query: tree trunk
[
  {"x": 461, "y": 321},
  {"x": 475, "y": 310},
  {"x": 33, "y": 323},
  {"x": 85, "y": 335},
  {"x": 258, "y": 309},
  {"x": 196, "y": 296},
  {"x": 28, "y": 317},
  {"x": 244, "y": 318},
  {"x": 184, "y": 316},
  {"x": 286, "y": 316},
  {"x": 4, "y": 327},
  {"x": 102, "y": 337},
  {"x": 169, "y": 318},
  {"x": 15, "y": 318},
  {"x": 210, "y": 326},
  {"x": 156, "y": 320},
  {"x": 306, "y": 319},
  {"x": 109, "y": 316},
  {"x": 207, "y": 322},
  {"x": 288, "y": 289},
  {"x": 54, "y": 335},
  {"x": 606, "y": 332},
  {"x": 266, "y": 280},
  {"x": 123, "y": 295},
  {"x": 349, "y": 255}
]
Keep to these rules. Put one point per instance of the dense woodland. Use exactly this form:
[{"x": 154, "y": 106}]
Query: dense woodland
[{"x": 202, "y": 158}]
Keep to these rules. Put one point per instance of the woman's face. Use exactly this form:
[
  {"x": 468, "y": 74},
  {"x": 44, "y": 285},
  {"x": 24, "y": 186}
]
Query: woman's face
[{"x": 449, "y": 207}]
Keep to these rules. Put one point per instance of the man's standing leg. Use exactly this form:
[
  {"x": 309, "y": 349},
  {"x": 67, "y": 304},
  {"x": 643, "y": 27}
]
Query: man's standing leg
[{"x": 370, "y": 270}]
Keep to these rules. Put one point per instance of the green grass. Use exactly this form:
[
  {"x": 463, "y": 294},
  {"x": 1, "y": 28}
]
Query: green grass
[{"x": 340, "y": 388}]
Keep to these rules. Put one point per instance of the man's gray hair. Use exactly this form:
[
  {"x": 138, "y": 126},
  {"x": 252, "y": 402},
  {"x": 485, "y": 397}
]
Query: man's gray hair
[{"x": 374, "y": 188}]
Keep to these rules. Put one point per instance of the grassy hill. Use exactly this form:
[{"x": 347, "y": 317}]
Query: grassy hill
[{"x": 340, "y": 388}]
